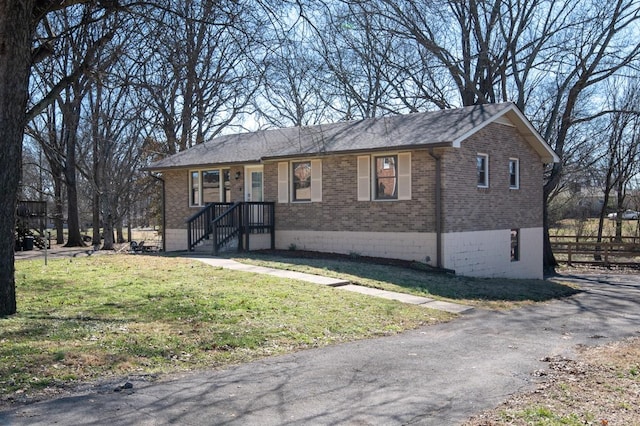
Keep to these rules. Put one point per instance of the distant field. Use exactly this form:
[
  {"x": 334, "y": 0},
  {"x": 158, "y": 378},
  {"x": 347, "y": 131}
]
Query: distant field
[{"x": 589, "y": 227}]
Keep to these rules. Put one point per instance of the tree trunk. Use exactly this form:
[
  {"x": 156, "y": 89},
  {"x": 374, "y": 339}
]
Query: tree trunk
[
  {"x": 119, "y": 234},
  {"x": 15, "y": 61},
  {"x": 107, "y": 220},
  {"x": 71, "y": 116},
  {"x": 549, "y": 260},
  {"x": 96, "y": 219},
  {"x": 58, "y": 214},
  {"x": 74, "y": 237}
]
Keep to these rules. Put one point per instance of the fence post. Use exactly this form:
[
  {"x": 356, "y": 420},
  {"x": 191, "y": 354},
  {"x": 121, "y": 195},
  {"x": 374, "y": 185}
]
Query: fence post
[
  {"x": 569, "y": 253},
  {"x": 240, "y": 226},
  {"x": 272, "y": 220}
]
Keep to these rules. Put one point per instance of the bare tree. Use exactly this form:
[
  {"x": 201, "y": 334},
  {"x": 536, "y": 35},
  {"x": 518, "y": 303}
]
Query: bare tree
[
  {"x": 18, "y": 22},
  {"x": 550, "y": 57},
  {"x": 622, "y": 155},
  {"x": 357, "y": 74},
  {"x": 81, "y": 37},
  {"x": 198, "y": 67},
  {"x": 290, "y": 95}
]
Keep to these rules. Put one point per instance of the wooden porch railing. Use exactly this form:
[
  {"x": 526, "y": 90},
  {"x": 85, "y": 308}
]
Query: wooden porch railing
[
  {"x": 225, "y": 221},
  {"x": 226, "y": 227},
  {"x": 199, "y": 225}
]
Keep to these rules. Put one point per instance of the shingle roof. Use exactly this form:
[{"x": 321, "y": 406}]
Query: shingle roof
[{"x": 437, "y": 128}]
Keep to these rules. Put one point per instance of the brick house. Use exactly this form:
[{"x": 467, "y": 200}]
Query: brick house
[{"x": 459, "y": 189}]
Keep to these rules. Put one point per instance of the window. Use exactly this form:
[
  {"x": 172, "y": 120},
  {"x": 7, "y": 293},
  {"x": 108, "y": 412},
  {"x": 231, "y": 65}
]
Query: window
[
  {"x": 194, "y": 184},
  {"x": 514, "y": 173},
  {"x": 205, "y": 187},
  {"x": 301, "y": 181},
  {"x": 515, "y": 245},
  {"x": 211, "y": 186},
  {"x": 482, "y": 164},
  {"x": 386, "y": 178}
]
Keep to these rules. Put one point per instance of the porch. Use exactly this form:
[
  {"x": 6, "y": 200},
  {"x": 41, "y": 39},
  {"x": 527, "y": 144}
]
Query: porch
[{"x": 220, "y": 225}]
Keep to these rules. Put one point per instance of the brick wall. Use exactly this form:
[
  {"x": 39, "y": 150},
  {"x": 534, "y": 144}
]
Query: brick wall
[
  {"x": 177, "y": 198},
  {"x": 340, "y": 210},
  {"x": 469, "y": 208}
]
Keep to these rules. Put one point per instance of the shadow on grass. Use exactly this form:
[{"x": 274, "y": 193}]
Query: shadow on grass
[{"x": 405, "y": 277}]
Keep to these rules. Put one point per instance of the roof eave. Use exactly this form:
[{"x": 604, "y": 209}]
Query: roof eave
[
  {"x": 202, "y": 166},
  {"x": 524, "y": 127}
]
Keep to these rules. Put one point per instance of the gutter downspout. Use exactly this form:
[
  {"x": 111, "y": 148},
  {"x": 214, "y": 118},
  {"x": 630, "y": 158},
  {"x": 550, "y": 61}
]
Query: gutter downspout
[
  {"x": 164, "y": 216},
  {"x": 438, "y": 200}
]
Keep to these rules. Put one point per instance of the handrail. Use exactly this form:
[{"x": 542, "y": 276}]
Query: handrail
[
  {"x": 227, "y": 226},
  {"x": 199, "y": 225},
  {"x": 225, "y": 221},
  {"x": 259, "y": 218}
]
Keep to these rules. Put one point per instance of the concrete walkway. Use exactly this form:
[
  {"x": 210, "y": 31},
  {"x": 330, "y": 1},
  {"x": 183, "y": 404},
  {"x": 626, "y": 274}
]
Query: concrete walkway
[{"x": 335, "y": 282}]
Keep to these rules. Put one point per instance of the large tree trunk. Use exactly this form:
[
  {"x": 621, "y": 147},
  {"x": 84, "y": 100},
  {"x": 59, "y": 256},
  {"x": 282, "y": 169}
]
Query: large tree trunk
[
  {"x": 548, "y": 259},
  {"x": 119, "y": 234},
  {"x": 72, "y": 116},
  {"x": 96, "y": 219},
  {"x": 58, "y": 214},
  {"x": 15, "y": 61},
  {"x": 74, "y": 237}
]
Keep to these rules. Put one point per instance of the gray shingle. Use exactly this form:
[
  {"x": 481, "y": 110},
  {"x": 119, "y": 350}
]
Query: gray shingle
[{"x": 442, "y": 127}]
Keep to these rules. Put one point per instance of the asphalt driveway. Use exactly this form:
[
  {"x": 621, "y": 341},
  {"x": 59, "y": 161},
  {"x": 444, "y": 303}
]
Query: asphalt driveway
[{"x": 435, "y": 375}]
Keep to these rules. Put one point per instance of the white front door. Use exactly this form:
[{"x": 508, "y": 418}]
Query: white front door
[{"x": 253, "y": 183}]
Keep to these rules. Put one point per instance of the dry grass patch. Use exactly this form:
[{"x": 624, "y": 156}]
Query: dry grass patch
[{"x": 601, "y": 388}]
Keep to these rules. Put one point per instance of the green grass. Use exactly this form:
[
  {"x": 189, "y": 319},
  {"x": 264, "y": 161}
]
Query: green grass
[
  {"x": 542, "y": 416},
  {"x": 492, "y": 293},
  {"x": 112, "y": 315}
]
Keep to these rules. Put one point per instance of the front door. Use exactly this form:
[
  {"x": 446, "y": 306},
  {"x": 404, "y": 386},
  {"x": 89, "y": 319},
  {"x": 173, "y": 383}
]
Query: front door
[{"x": 253, "y": 184}]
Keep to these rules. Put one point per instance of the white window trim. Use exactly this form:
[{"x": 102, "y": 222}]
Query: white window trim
[
  {"x": 200, "y": 182},
  {"x": 368, "y": 177},
  {"x": 374, "y": 180},
  {"x": 517, "y": 185},
  {"x": 191, "y": 172},
  {"x": 292, "y": 189},
  {"x": 285, "y": 181},
  {"x": 486, "y": 170}
]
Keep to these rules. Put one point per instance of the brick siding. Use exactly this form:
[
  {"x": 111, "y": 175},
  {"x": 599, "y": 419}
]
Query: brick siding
[
  {"x": 465, "y": 207},
  {"x": 469, "y": 208},
  {"x": 341, "y": 211}
]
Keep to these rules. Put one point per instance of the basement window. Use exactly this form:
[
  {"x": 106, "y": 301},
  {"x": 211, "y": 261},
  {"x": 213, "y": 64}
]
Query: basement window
[{"x": 515, "y": 245}]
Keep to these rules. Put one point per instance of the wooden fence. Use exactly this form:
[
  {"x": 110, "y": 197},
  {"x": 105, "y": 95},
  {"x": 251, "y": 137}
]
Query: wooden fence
[{"x": 611, "y": 251}]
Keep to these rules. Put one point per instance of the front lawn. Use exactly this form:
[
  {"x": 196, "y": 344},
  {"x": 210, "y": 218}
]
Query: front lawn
[{"x": 107, "y": 316}]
